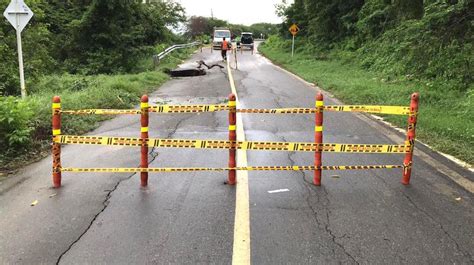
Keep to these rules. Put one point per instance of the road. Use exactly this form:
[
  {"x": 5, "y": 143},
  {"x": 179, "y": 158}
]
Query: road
[{"x": 354, "y": 217}]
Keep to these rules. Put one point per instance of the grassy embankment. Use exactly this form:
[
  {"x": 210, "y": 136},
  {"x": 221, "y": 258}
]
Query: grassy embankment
[
  {"x": 445, "y": 120},
  {"x": 26, "y": 125}
]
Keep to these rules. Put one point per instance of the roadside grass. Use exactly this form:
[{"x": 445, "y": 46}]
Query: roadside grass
[
  {"x": 445, "y": 119},
  {"x": 26, "y": 125}
]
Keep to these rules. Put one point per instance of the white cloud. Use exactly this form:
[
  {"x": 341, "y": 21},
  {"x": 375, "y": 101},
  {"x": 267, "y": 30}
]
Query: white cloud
[{"x": 244, "y": 12}]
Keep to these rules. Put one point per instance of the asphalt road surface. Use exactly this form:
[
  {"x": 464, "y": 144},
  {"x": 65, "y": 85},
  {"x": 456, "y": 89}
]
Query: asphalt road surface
[{"x": 189, "y": 218}]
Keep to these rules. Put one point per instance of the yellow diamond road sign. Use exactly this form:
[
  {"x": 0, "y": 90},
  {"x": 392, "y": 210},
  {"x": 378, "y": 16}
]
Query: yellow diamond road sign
[{"x": 294, "y": 29}]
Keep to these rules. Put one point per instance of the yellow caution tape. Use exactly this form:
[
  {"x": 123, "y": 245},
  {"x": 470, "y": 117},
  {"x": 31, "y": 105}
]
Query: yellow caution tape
[
  {"x": 398, "y": 110},
  {"x": 278, "y": 111},
  {"x": 189, "y": 108},
  {"x": 98, "y": 140},
  {"x": 252, "y": 168},
  {"x": 224, "y": 144},
  {"x": 102, "y": 111}
]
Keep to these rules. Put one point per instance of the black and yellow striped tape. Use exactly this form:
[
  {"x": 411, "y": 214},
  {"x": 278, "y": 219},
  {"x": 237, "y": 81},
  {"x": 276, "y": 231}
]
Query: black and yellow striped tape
[
  {"x": 397, "y": 110},
  {"x": 249, "y": 168},
  {"x": 278, "y": 111},
  {"x": 102, "y": 111},
  {"x": 225, "y": 144},
  {"x": 188, "y": 108}
]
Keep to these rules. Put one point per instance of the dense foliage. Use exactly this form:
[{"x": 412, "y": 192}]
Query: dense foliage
[
  {"x": 380, "y": 51},
  {"x": 92, "y": 53},
  {"x": 85, "y": 36},
  {"x": 445, "y": 120},
  {"x": 430, "y": 39},
  {"x": 203, "y": 27},
  {"x": 25, "y": 125}
]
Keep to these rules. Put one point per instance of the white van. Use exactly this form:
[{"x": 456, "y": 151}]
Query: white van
[{"x": 219, "y": 34}]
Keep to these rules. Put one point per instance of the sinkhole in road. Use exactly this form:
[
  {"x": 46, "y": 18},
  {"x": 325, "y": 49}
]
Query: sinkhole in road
[{"x": 197, "y": 71}]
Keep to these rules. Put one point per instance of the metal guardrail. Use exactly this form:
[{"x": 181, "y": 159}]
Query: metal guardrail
[{"x": 158, "y": 57}]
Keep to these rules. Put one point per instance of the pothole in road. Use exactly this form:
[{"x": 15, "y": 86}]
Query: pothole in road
[{"x": 196, "y": 71}]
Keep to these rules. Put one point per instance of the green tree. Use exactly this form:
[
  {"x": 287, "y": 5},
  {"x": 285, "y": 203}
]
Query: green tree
[
  {"x": 198, "y": 25},
  {"x": 408, "y": 9},
  {"x": 37, "y": 48},
  {"x": 265, "y": 29},
  {"x": 111, "y": 36}
]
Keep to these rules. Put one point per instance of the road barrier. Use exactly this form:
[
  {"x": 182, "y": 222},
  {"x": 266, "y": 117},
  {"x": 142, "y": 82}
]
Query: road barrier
[
  {"x": 318, "y": 146},
  {"x": 158, "y": 57}
]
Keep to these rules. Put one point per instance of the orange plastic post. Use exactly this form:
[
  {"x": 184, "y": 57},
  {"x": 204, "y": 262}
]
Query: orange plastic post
[
  {"x": 412, "y": 117},
  {"x": 144, "y": 120},
  {"x": 56, "y": 147},
  {"x": 232, "y": 138},
  {"x": 318, "y": 139}
]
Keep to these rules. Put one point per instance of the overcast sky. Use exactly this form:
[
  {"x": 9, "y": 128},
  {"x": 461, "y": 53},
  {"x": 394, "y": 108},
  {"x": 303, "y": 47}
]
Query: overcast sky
[{"x": 244, "y": 12}]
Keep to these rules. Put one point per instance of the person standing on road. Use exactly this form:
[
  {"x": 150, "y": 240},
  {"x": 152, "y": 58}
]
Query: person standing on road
[{"x": 224, "y": 48}]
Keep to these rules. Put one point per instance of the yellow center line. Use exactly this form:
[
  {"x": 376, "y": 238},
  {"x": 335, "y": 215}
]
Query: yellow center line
[{"x": 241, "y": 248}]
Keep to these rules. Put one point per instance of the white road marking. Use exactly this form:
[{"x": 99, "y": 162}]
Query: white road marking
[{"x": 277, "y": 191}]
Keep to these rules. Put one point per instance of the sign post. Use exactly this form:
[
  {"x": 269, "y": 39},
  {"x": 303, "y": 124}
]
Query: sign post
[
  {"x": 294, "y": 30},
  {"x": 19, "y": 14}
]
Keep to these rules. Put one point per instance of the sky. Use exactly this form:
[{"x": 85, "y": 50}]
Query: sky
[{"x": 244, "y": 12}]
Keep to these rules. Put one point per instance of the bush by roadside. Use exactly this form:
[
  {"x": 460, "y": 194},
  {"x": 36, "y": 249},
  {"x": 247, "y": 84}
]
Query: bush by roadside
[
  {"x": 25, "y": 125},
  {"x": 445, "y": 120}
]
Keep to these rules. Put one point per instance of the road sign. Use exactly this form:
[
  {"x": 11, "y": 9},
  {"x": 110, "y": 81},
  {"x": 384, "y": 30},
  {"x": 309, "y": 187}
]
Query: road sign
[
  {"x": 294, "y": 29},
  {"x": 18, "y": 14}
]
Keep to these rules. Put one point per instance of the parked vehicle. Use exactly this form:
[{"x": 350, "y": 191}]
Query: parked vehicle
[
  {"x": 219, "y": 34},
  {"x": 246, "y": 40}
]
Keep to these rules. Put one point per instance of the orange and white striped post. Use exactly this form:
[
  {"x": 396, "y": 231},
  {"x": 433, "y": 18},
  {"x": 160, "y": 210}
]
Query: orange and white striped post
[
  {"x": 232, "y": 138},
  {"x": 318, "y": 139},
  {"x": 56, "y": 147},
  {"x": 411, "y": 133},
  {"x": 144, "y": 120}
]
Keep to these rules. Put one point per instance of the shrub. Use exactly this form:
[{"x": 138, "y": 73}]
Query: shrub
[{"x": 15, "y": 123}]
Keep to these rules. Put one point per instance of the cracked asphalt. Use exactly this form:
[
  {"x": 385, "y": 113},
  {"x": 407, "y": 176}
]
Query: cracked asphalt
[{"x": 356, "y": 217}]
